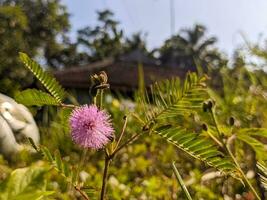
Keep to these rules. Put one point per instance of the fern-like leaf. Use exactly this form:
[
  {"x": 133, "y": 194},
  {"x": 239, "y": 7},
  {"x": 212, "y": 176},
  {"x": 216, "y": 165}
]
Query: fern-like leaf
[
  {"x": 49, "y": 82},
  {"x": 199, "y": 147},
  {"x": 170, "y": 98},
  {"x": 33, "y": 97}
]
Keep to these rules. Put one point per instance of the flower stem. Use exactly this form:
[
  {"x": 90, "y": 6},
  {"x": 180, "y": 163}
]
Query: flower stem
[
  {"x": 125, "y": 144},
  {"x": 105, "y": 177},
  {"x": 122, "y": 132}
]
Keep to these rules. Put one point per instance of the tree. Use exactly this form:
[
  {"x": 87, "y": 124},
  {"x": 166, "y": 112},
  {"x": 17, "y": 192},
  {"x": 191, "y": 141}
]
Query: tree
[
  {"x": 190, "y": 49},
  {"x": 102, "y": 41},
  {"x": 32, "y": 26}
]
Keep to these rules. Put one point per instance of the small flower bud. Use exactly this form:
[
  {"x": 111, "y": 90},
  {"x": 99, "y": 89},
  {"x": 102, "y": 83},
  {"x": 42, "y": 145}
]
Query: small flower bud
[
  {"x": 210, "y": 105},
  {"x": 145, "y": 128},
  {"x": 207, "y": 106},
  {"x": 231, "y": 121},
  {"x": 103, "y": 77},
  {"x": 205, "y": 127}
]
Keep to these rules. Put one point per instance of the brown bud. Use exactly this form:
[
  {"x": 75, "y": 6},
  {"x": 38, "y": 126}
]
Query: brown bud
[
  {"x": 205, "y": 127},
  {"x": 231, "y": 121},
  {"x": 210, "y": 104},
  {"x": 103, "y": 78},
  {"x": 207, "y": 106}
]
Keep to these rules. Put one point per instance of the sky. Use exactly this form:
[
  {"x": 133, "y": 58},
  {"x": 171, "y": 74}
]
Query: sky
[{"x": 228, "y": 20}]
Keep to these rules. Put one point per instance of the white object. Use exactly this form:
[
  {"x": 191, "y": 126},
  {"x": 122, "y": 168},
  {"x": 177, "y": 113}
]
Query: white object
[{"x": 16, "y": 122}]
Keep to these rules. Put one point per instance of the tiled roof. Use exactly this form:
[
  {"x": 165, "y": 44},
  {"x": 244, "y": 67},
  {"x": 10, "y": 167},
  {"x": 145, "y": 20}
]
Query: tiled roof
[{"x": 122, "y": 75}]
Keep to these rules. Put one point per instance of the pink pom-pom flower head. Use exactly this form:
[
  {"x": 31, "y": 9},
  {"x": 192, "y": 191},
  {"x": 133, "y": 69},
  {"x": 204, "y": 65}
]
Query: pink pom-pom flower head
[{"x": 91, "y": 127}]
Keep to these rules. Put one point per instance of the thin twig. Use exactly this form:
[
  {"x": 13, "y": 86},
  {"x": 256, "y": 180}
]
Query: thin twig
[
  {"x": 81, "y": 192},
  {"x": 122, "y": 132},
  {"x": 67, "y": 105},
  {"x": 181, "y": 182},
  {"x": 215, "y": 139},
  {"x": 125, "y": 143},
  {"x": 216, "y": 123}
]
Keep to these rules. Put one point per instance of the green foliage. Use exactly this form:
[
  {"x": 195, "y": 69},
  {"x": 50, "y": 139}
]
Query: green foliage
[
  {"x": 248, "y": 135},
  {"x": 190, "y": 49},
  {"x": 33, "y": 97},
  {"x": 47, "y": 80},
  {"x": 69, "y": 173},
  {"x": 169, "y": 101},
  {"x": 29, "y": 26},
  {"x": 25, "y": 183}
]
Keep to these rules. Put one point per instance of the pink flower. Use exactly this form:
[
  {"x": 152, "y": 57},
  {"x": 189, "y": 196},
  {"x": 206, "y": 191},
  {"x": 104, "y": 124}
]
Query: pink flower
[{"x": 91, "y": 127}]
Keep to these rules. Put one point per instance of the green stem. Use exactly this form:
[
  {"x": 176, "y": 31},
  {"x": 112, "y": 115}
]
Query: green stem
[
  {"x": 122, "y": 132},
  {"x": 216, "y": 124},
  {"x": 180, "y": 181}
]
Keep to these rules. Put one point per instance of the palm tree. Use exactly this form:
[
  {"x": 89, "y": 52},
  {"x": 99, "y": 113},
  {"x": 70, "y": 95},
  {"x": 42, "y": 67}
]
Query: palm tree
[{"x": 190, "y": 49}]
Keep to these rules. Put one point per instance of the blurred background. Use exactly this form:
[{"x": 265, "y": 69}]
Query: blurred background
[
  {"x": 225, "y": 40},
  {"x": 64, "y": 34}
]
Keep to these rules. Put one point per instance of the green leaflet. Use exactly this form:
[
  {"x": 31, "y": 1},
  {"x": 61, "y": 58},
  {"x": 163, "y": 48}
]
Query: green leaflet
[
  {"x": 33, "y": 97},
  {"x": 263, "y": 174},
  {"x": 247, "y": 135},
  {"x": 262, "y": 132},
  {"x": 25, "y": 183},
  {"x": 255, "y": 144},
  {"x": 49, "y": 82}
]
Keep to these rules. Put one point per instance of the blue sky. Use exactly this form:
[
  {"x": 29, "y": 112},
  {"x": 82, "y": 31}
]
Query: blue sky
[{"x": 225, "y": 19}]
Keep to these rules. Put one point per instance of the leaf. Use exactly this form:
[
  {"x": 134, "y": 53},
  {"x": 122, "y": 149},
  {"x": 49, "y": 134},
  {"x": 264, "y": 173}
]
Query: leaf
[
  {"x": 49, "y": 82},
  {"x": 61, "y": 166},
  {"x": 256, "y": 145},
  {"x": 180, "y": 181},
  {"x": 170, "y": 98},
  {"x": 25, "y": 183},
  {"x": 33, "y": 97},
  {"x": 199, "y": 147},
  {"x": 261, "y": 132}
]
